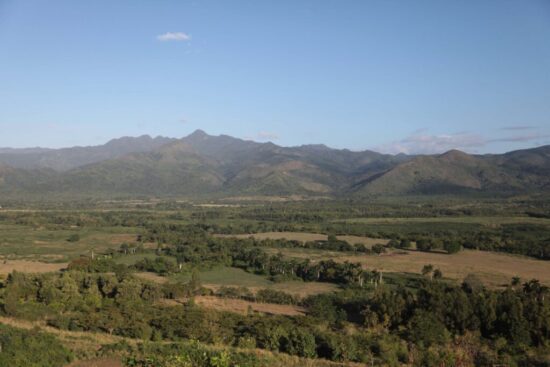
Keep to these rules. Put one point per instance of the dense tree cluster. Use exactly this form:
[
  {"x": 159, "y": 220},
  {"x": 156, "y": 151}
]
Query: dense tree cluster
[
  {"x": 391, "y": 325},
  {"x": 30, "y": 348}
]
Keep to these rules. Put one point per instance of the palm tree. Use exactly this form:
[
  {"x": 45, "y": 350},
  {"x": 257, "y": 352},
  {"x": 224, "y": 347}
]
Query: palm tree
[{"x": 428, "y": 270}]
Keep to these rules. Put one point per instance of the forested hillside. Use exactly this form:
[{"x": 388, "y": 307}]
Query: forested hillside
[{"x": 205, "y": 165}]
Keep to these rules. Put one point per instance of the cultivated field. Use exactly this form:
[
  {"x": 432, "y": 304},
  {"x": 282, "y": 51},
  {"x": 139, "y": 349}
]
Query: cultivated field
[
  {"x": 50, "y": 244},
  {"x": 487, "y": 221},
  {"x": 233, "y": 277},
  {"x": 8, "y": 266},
  {"x": 494, "y": 269},
  {"x": 242, "y": 306},
  {"x": 305, "y": 237},
  {"x": 226, "y": 276}
]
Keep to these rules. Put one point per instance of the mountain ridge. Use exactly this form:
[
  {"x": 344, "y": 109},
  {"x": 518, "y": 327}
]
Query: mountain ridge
[{"x": 202, "y": 164}]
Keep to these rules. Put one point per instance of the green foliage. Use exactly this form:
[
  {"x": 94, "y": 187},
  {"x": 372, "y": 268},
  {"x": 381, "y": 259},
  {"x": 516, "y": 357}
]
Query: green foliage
[
  {"x": 366, "y": 321},
  {"x": 75, "y": 237},
  {"x": 426, "y": 329},
  {"x": 30, "y": 348},
  {"x": 451, "y": 247}
]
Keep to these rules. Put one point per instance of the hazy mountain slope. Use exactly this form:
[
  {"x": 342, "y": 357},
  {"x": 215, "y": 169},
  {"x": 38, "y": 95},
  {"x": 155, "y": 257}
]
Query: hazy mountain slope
[
  {"x": 68, "y": 158},
  {"x": 456, "y": 172},
  {"x": 262, "y": 168},
  {"x": 20, "y": 181},
  {"x": 173, "y": 170},
  {"x": 201, "y": 164}
]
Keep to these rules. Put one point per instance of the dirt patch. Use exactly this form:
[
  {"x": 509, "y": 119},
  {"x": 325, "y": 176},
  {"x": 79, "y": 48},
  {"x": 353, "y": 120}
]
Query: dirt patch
[
  {"x": 24, "y": 266},
  {"x": 99, "y": 362}
]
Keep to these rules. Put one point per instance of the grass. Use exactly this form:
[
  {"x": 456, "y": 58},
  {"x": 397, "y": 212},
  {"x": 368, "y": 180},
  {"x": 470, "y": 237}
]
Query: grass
[
  {"x": 226, "y": 276},
  {"x": 486, "y": 221},
  {"x": 305, "y": 237},
  {"x": 494, "y": 269},
  {"x": 134, "y": 258},
  {"x": 303, "y": 289},
  {"x": 8, "y": 266},
  {"x": 50, "y": 245},
  {"x": 242, "y": 306},
  {"x": 234, "y": 277}
]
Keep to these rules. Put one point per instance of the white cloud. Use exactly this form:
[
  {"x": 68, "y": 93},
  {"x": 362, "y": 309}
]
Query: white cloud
[
  {"x": 174, "y": 36},
  {"x": 420, "y": 143},
  {"x": 432, "y": 144}
]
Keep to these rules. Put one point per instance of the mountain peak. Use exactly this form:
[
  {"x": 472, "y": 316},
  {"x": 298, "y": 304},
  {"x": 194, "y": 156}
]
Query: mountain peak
[
  {"x": 198, "y": 134},
  {"x": 455, "y": 154}
]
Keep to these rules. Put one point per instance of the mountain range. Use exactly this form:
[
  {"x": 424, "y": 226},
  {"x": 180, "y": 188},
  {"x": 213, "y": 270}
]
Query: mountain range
[{"x": 205, "y": 165}]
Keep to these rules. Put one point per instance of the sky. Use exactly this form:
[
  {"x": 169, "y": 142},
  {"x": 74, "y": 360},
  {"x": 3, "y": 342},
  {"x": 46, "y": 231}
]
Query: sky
[{"x": 392, "y": 76}]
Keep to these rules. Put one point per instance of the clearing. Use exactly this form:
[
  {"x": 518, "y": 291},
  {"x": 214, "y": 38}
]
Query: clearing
[
  {"x": 40, "y": 243},
  {"x": 494, "y": 269},
  {"x": 8, "y": 266},
  {"x": 234, "y": 277},
  {"x": 487, "y": 221},
  {"x": 240, "y": 306}
]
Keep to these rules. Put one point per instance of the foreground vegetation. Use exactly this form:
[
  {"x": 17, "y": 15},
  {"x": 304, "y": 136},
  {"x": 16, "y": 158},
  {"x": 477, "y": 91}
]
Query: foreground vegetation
[{"x": 148, "y": 276}]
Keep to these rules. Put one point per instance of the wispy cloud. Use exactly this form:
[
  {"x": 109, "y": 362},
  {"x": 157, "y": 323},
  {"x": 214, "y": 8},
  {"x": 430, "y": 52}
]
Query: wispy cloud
[
  {"x": 518, "y": 127},
  {"x": 520, "y": 138},
  {"x": 431, "y": 144},
  {"x": 421, "y": 143},
  {"x": 263, "y": 136},
  {"x": 174, "y": 36}
]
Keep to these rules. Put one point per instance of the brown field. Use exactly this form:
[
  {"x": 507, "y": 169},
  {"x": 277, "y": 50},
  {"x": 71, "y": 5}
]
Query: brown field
[
  {"x": 494, "y": 269},
  {"x": 296, "y": 288},
  {"x": 305, "y": 237},
  {"x": 7, "y": 266},
  {"x": 152, "y": 277},
  {"x": 98, "y": 362},
  {"x": 240, "y": 306},
  {"x": 302, "y": 289}
]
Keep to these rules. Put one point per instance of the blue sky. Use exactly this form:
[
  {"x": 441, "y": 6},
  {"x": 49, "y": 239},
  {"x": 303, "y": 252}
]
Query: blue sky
[{"x": 412, "y": 76}]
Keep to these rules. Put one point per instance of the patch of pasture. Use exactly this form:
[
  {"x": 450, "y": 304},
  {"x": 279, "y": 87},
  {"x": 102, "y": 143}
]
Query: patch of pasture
[
  {"x": 306, "y": 237},
  {"x": 494, "y": 269},
  {"x": 24, "y": 266},
  {"x": 226, "y": 276},
  {"x": 22, "y": 241},
  {"x": 242, "y": 307},
  {"x": 486, "y": 221}
]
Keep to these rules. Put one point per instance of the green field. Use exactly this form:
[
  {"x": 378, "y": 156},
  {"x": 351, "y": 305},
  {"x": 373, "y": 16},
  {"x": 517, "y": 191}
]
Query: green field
[
  {"x": 31, "y": 242},
  {"x": 486, "y": 221},
  {"x": 226, "y": 276}
]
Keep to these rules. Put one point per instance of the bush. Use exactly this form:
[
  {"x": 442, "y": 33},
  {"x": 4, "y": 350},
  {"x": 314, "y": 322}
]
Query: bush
[
  {"x": 31, "y": 348},
  {"x": 452, "y": 247},
  {"x": 74, "y": 238}
]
